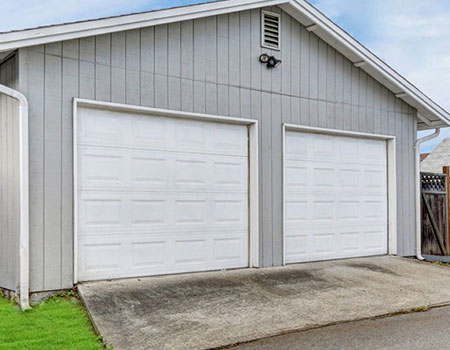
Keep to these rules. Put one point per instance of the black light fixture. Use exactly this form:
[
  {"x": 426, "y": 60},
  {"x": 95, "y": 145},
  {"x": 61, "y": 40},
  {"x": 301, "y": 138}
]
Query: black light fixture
[{"x": 271, "y": 61}]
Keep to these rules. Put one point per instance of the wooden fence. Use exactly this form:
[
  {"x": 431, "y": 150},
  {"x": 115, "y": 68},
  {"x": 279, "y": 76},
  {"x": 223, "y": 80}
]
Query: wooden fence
[{"x": 435, "y": 206}]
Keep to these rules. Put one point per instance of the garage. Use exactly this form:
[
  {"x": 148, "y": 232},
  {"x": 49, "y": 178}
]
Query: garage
[
  {"x": 159, "y": 194},
  {"x": 336, "y": 201}
]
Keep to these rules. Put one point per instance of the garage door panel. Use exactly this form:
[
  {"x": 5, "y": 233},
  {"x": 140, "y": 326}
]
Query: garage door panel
[
  {"x": 160, "y": 204},
  {"x": 324, "y": 176},
  {"x": 335, "y": 203},
  {"x": 116, "y": 257},
  {"x": 310, "y": 146},
  {"x": 131, "y": 211},
  {"x": 99, "y": 129},
  {"x": 158, "y": 170}
]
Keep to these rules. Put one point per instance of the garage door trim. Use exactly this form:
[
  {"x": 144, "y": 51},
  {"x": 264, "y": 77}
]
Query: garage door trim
[
  {"x": 252, "y": 152},
  {"x": 391, "y": 176}
]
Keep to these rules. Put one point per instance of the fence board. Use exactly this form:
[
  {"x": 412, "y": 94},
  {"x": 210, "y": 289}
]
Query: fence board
[{"x": 434, "y": 214}]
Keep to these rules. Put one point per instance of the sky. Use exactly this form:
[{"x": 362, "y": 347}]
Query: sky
[{"x": 410, "y": 35}]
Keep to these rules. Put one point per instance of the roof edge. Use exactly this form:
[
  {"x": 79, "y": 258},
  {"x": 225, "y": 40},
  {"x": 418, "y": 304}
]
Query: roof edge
[
  {"x": 60, "y": 32},
  {"x": 430, "y": 114},
  {"x": 369, "y": 62}
]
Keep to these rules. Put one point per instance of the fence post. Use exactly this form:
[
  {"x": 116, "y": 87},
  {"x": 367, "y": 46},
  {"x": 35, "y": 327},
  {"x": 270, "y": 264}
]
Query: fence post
[{"x": 446, "y": 171}]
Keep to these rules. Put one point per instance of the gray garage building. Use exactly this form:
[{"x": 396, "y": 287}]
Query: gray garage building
[{"x": 176, "y": 141}]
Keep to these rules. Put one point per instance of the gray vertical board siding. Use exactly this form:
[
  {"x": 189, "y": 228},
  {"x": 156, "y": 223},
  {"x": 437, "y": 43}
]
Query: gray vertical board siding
[
  {"x": 9, "y": 179},
  {"x": 209, "y": 65}
]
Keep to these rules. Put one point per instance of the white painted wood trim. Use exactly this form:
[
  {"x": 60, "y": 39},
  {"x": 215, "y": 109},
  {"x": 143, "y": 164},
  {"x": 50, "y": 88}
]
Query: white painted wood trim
[
  {"x": 337, "y": 132},
  {"x": 75, "y": 189},
  {"x": 391, "y": 175},
  {"x": 254, "y": 194},
  {"x": 392, "y": 195},
  {"x": 283, "y": 191},
  {"x": 253, "y": 164}
]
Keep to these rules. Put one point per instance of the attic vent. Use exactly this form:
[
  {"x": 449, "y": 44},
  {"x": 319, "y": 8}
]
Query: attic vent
[{"x": 271, "y": 30}]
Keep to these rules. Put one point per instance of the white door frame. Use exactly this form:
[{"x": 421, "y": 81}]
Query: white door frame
[
  {"x": 253, "y": 164},
  {"x": 391, "y": 176}
]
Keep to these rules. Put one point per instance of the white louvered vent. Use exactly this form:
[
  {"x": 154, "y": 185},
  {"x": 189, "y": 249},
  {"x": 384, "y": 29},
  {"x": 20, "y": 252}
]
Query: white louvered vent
[{"x": 271, "y": 30}]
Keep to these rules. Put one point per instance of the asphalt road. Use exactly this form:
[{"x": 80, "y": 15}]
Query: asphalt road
[{"x": 423, "y": 330}]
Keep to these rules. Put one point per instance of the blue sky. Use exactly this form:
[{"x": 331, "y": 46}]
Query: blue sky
[{"x": 410, "y": 35}]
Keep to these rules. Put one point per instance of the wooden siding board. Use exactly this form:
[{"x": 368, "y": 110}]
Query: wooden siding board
[
  {"x": 103, "y": 49},
  {"x": 187, "y": 49},
  {"x": 148, "y": 49},
  {"x": 87, "y": 49},
  {"x": 304, "y": 62},
  {"x": 118, "y": 57},
  {"x": 234, "y": 101},
  {"x": 266, "y": 180},
  {"x": 187, "y": 95},
  {"x": 256, "y": 49},
  {"x": 174, "y": 93},
  {"x": 71, "y": 49},
  {"x": 199, "y": 50},
  {"x": 174, "y": 50},
  {"x": 133, "y": 49},
  {"x": 147, "y": 89},
  {"x": 286, "y": 66},
  {"x": 69, "y": 90},
  {"x": 245, "y": 103},
  {"x": 87, "y": 80},
  {"x": 295, "y": 58},
  {"x": 118, "y": 84},
  {"x": 277, "y": 181},
  {"x": 35, "y": 94},
  {"x": 222, "y": 100},
  {"x": 211, "y": 49},
  {"x": 200, "y": 97},
  {"x": 210, "y": 65},
  {"x": 52, "y": 173},
  {"x": 222, "y": 49},
  {"x": 245, "y": 49},
  {"x": 54, "y": 49},
  {"x": 161, "y": 50},
  {"x": 133, "y": 87},
  {"x": 211, "y": 98},
  {"x": 234, "y": 51},
  {"x": 103, "y": 82}
]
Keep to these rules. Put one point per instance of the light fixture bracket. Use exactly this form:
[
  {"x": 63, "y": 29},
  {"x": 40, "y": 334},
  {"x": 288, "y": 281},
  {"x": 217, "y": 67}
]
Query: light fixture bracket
[{"x": 270, "y": 61}]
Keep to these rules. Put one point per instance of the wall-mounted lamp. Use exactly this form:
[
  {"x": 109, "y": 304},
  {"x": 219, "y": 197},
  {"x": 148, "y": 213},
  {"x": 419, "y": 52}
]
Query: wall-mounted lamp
[{"x": 271, "y": 61}]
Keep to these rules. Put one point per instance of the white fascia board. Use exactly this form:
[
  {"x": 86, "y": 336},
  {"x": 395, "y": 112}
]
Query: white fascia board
[
  {"x": 338, "y": 37},
  {"x": 45, "y": 35}
]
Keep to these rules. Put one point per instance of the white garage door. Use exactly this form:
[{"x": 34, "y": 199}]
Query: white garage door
[
  {"x": 335, "y": 197},
  {"x": 159, "y": 195}
]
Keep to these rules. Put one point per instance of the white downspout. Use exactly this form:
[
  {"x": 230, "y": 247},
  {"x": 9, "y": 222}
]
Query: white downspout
[
  {"x": 24, "y": 264},
  {"x": 419, "y": 191}
]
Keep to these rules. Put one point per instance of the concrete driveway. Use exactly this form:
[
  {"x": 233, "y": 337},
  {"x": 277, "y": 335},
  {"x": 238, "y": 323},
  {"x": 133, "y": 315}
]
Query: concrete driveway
[{"x": 209, "y": 310}]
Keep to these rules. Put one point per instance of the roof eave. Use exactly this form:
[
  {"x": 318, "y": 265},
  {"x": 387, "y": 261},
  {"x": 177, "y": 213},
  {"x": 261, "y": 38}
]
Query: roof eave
[
  {"x": 336, "y": 37},
  {"x": 301, "y": 10},
  {"x": 68, "y": 31}
]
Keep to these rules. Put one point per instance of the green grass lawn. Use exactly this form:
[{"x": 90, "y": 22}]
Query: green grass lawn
[{"x": 58, "y": 324}]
